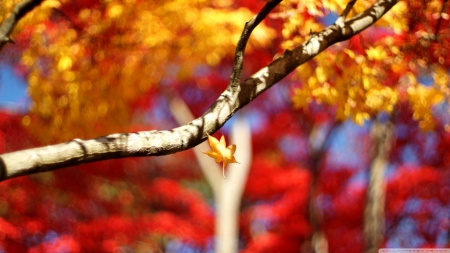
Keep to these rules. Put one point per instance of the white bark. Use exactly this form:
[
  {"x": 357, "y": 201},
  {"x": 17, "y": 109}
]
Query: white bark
[
  {"x": 374, "y": 223},
  {"x": 229, "y": 198},
  {"x": 19, "y": 11}
]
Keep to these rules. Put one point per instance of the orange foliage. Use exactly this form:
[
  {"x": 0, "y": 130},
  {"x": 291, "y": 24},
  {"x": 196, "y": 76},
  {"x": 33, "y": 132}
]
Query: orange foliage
[{"x": 88, "y": 63}]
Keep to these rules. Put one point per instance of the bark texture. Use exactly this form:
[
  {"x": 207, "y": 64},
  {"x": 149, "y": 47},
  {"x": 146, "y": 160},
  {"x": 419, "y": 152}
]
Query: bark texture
[{"x": 374, "y": 222}]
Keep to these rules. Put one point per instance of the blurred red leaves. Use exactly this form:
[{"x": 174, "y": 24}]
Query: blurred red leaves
[{"x": 101, "y": 207}]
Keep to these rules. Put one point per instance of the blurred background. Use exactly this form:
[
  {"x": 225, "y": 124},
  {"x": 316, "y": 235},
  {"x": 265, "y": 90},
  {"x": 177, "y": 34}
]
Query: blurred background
[{"x": 349, "y": 153}]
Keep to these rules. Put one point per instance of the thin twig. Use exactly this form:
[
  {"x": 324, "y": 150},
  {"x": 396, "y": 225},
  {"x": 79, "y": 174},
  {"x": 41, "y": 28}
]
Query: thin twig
[
  {"x": 223, "y": 170},
  {"x": 344, "y": 14},
  {"x": 348, "y": 8},
  {"x": 19, "y": 11},
  {"x": 439, "y": 21},
  {"x": 235, "y": 77},
  {"x": 427, "y": 27}
]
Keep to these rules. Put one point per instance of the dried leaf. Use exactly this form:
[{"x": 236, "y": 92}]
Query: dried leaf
[{"x": 220, "y": 152}]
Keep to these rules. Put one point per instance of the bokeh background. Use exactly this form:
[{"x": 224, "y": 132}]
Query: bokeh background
[{"x": 348, "y": 154}]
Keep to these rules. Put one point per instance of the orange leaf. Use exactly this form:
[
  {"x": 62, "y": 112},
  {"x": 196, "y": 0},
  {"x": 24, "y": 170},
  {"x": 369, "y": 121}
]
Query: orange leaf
[{"x": 220, "y": 152}]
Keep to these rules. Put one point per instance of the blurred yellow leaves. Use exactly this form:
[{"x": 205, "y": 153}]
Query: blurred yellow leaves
[
  {"x": 87, "y": 69},
  {"x": 115, "y": 10},
  {"x": 51, "y": 4},
  {"x": 396, "y": 18},
  {"x": 64, "y": 63},
  {"x": 422, "y": 100},
  {"x": 303, "y": 17},
  {"x": 350, "y": 82},
  {"x": 358, "y": 91},
  {"x": 376, "y": 54},
  {"x": 368, "y": 78}
]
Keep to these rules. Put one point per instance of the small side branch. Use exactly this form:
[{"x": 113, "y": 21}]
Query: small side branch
[
  {"x": 440, "y": 19},
  {"x": 319, "y": 144},
  {"x": 347, "y": 9},
  {"x": 235, "y": 77},
  {"x": 345, "y": 13},
  {"x": 20, "y": 10}
]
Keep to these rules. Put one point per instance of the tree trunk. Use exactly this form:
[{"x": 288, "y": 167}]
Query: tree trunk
[
  {"x": 227, "y": 192},
  {"x": 382, "y": 135}
]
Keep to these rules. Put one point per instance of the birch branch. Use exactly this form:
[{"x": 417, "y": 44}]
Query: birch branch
[
  {"x": 236, "y": 74},
  {"x": 19, "y": 11}
]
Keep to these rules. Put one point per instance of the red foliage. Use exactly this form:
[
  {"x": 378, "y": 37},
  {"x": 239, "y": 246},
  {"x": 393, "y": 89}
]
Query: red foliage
[
  {"x": 100, "y": 207},
  {"x": 273, "y": 242},
  {"x": 12, "y": 135}
]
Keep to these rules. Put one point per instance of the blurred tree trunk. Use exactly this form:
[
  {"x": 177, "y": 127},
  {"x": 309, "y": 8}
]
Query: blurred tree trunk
[
  {"x": 318, "y": 143},
  {"x": 227, "y": 192},
  {"x": 382, "y": 135},
  {"x": 228, "y": 199}
]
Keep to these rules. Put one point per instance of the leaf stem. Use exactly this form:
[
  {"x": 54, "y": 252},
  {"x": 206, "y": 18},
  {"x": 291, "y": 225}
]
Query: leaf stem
[{"x": 223, "y": 170}]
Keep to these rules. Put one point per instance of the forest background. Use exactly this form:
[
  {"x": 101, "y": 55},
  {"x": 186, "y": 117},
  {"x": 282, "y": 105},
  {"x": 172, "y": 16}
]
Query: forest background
[{"x": 348, "y": 153}]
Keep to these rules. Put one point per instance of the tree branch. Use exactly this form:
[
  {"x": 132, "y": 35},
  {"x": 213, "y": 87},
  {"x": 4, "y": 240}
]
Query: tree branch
[
  {"x": 18, "y": 12},
  {"x": 439, "y": 21},
  {"x": 156, "y": 143},
  {"x": 348, "y": 8},
  {"x": 319, "y": 143},
  {"x": 235, "y": 77},
  {"x": 382, "y": 135},
  {"x": 341, "y": 19}
]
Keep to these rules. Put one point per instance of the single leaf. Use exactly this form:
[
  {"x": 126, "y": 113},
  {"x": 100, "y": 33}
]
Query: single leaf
[{"x": 220, "y": 152}]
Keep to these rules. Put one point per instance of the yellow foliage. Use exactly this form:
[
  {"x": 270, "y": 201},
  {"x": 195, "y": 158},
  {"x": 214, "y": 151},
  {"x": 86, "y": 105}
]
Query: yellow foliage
[
  {"x": 442, "y": 81},
  {"x": 84, "y": 77},
  {"x": 64, "y": 63},
  {"x": 92, "y": 71},
  {"x": 422, "y": 100},
  {"x": 396, "y": 18},
  {"x": 377, "y": 53},
  {"x": 355, "y": 83},
  {"x": 301, "y": 98},
  {"x": 115, "y": 10},
  {"x": 356, "y": 93},
  {"x": 297, "y": 25}
]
